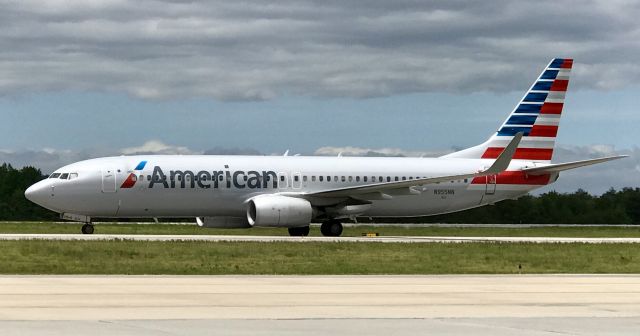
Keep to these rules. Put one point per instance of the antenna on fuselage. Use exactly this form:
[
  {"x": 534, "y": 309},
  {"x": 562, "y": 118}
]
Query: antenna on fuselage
[{"x": 286, "y": 153}]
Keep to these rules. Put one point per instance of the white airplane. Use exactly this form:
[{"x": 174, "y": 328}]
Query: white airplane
[{"x": 292, "y": 191}]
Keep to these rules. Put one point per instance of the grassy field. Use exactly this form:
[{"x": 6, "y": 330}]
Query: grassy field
[
  {"x": 600, "y": 231},
  {"x": 130, "y": 257}
]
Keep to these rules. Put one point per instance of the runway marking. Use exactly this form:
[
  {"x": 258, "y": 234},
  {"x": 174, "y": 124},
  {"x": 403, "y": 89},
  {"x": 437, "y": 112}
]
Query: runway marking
[{"x": 387, "y": 239}]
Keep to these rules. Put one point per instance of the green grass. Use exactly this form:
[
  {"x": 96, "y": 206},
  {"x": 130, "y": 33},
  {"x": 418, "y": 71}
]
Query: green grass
[
  {"x": 599, "y": 231},
  {"x": 192, "y": 258}
]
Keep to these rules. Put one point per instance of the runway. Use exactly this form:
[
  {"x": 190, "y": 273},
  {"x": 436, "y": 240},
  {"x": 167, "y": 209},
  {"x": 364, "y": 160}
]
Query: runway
[
  {"x": 320, "y": 305},
  {"x": 383, "y": 239}
]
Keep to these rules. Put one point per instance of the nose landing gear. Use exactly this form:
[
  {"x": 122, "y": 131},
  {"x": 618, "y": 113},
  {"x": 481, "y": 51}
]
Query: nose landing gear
[{"x": 87, "y": 228}]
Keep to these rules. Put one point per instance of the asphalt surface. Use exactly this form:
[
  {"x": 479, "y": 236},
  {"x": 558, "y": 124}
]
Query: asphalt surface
[
  {"x": 384, "y": 239},
  {"x": 320, "y": 305}
]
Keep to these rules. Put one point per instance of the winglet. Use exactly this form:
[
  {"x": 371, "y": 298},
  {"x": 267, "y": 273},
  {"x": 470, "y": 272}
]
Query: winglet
[{"x": 504, "y": 159}]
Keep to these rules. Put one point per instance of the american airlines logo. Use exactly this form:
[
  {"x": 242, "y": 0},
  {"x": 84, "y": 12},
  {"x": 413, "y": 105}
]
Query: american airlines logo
[
  {"x": 213, "y": 179},
  {"x": 131, "y": 179}
]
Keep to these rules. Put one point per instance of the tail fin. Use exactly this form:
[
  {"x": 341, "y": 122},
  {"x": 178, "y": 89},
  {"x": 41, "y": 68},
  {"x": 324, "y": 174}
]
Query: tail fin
[{"x": 537, "y": 116}]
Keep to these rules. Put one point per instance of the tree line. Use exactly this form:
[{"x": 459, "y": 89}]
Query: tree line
[{"x": 580, "y": 207}]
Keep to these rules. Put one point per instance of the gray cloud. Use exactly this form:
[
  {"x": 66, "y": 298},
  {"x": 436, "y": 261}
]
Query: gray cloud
[
  {"x": 379, "y": 152},
  {"x": 157, "y": 147},
  {"x": 232, "y": 151},
  {"x": 256, "y": 50}
]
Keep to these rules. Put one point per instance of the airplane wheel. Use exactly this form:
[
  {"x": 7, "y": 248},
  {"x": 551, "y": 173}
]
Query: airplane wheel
[
  {"x": 299, "y": 231},
  {"x": 87, "y": 229},
  {"x": 332, "y": 228}
]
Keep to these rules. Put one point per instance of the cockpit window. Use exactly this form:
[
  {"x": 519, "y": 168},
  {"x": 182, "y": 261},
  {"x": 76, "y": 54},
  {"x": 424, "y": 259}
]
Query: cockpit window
[
  {"x": 54, "y": 175},
  {"x": 73, "y": 176},
  {"x": 64, "y": 176}
]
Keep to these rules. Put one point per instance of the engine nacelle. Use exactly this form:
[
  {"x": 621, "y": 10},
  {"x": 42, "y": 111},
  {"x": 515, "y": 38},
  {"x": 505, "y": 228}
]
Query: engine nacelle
[
  {"x": 279, "y": 211},
  {"x": 223, "y": 222}
]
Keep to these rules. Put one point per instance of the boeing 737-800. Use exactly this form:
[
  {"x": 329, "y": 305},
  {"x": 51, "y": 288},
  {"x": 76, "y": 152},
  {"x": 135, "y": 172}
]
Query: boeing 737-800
[{"x": 293, "y": 191}]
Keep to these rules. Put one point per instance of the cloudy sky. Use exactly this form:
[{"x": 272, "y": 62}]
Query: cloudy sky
[{"x": 91, "y": 78}]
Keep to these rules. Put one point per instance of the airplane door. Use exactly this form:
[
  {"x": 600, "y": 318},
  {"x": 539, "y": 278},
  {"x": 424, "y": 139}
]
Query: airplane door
[
  {"x": 108, "y": 180},
  {"x": 282, "y": 181},
  {"x": 296, "y": 180},
  {"x": 491, "y": 184}
]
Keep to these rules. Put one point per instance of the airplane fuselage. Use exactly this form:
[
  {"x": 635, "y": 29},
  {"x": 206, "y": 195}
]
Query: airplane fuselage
[{"x": 202, "y": 185}]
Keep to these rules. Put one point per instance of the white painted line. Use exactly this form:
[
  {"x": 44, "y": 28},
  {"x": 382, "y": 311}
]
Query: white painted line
[{"x": 386, "y": 239}]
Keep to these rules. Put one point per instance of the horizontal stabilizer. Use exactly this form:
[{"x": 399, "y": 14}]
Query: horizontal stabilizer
[{"x": 554, "y": 168}]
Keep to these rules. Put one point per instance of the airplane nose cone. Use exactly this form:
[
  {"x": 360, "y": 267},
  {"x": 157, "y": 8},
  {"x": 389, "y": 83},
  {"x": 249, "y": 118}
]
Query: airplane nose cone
[{"x": 37, "y": 193}]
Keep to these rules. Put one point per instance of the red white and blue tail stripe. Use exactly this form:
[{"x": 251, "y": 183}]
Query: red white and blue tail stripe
[{"x": 537, "y": 116}]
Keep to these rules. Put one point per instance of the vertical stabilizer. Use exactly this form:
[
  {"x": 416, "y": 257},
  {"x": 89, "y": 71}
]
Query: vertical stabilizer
[{"x": 537, "y": 116}]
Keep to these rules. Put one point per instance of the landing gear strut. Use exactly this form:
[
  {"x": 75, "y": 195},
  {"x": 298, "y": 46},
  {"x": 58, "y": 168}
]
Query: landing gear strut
[
  {"x": 87, "y": 228},
  {"x": 299, "y": 231},
  {"x": 331, "y": 228}
]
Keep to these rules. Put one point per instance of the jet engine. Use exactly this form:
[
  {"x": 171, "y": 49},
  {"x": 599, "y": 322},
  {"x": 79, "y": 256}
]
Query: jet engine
[{"x": 279, "y": 211}]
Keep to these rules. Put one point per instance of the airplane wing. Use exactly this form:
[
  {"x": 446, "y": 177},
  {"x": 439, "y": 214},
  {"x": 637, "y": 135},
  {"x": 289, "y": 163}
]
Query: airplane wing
[
  {"x": 383, "y": 190},
  {"x": 558, "y": 167}
]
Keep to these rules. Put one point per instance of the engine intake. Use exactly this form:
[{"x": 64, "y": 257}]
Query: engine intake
[{"x": 279, "y": 211}]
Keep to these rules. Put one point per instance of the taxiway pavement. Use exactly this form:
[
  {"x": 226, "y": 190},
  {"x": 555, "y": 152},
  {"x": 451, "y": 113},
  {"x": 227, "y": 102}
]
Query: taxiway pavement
[{"x": 319, "y": 305}]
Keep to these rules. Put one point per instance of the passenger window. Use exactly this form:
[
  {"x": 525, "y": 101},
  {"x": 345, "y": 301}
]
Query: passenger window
[
  {"x": 296, "y": 178},
  {"x": 343, "y": 179},
  {"x": 320, "y": 178},
  {"x": 304, "y": 178},
  {"x": 55, "y": 175},
  {"x": 313, "y": 178},
  {"x": 133, "y": 177},
  {"x": 380, "y": 178},
  {"x": 357, "y": 178},
  {"x": 141, "y": 177},
  {"x": 396, "y": 178},
  {"x": 335, "y": 178},
  {"x": 466, "y": 180},
  {"x": 245, "y": 177},
  {"x": 404, "y": 178},
  {"x": 148, "y": 177},
  {"x": 388, "y": 178},
  {"x": 64, "y": 176},
  {"x": 350, "y": 178},
  {"x": 328, "y": 178},
  {"x": 364, "y": 178},
  {"x": 282, "y": 178}
]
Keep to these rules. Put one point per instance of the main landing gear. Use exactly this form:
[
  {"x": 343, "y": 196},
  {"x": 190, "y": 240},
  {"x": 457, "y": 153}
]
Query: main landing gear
[
  {"x": 87, "y": 228},
  {"x": 299, "y": 231},
  {"x": 331, "y": 228}
]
